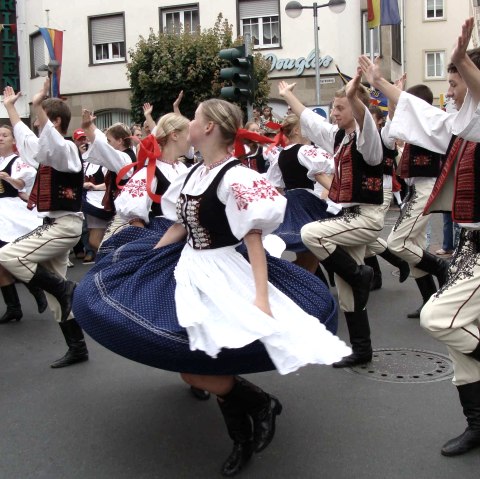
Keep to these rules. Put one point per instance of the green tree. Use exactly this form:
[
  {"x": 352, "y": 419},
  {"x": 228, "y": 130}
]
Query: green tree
[{"x": 164, "y": 64}]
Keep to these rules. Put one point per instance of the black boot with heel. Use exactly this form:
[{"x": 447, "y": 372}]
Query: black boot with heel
[{"x": 14, "y": 309}]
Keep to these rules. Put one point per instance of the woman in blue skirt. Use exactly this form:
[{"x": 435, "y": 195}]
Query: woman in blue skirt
[{"x": 144, "y": 300}]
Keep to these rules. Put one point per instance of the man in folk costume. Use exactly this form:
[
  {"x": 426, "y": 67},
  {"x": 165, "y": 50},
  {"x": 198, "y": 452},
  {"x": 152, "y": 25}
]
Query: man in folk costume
[
  {"x": 40, "y": 257},
  {"x": 452, "y": 315},
  {"x": 340, "y": 242},
  {"x": 419, "y": 168}
]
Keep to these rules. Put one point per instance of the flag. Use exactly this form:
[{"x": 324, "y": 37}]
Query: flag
[
  {"x": 54, "y": 41},
  {"x": 377, "y": 98},
  {"x": 382, "y": 12}
]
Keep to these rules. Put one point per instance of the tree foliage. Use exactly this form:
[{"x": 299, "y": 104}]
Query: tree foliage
[{"x": 164, "y": 64}]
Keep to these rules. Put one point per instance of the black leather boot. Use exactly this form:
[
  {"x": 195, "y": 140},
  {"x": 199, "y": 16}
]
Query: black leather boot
[
  {"x": 263, "y": 408},
  {"x": 356, "y": 275},
  {"x": 239, "y": 427},
  {"x": 470, "y": 399},
  {"x": 359, "y": 331},
  {"x": 427, "y": 287},
  {"x": 39, "y": 296},
  {"x": 77, "y": 348},
  {"x": 319, "y": 274},
  {"x": 14, "y": 308},
  {"x": 376, "y": 283},
  {"x": 434, "y": 265},
  {"x": 394, "y": 260},
  {"x": 61, "y": 289}
]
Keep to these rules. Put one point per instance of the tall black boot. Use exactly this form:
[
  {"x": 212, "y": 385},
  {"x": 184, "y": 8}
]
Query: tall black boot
[
  {"x": 14, "y": 309},
  {"x": 376, "y": 283},
  {"x": 427, "y": 287},
  {"x": 239, "y": 427},
  {"x": 319, "y": 274},
  {"x": 356, "y": 275},
  {"x": 394, "y": 260},
  {"x": 39, "y": 296},
  {"x": 470, "y": 399},
  {"x": 263, "y": 408},
  {"x": 434, "y": 265},
  {"x": 359, "y": 331},
  {"x": 77, "y": 348},
  {"x": 61, "y": 289}
]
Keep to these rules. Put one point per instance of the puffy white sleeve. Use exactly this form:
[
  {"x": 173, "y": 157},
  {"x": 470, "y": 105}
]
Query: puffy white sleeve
[
  {"x": 133, "y": 201},
  {"x": 316, "y": 160},
  {"x": 27, "y": 143},
  {"x": 369, "y": 143},
  {"x": 419, "y": 123},
  {"x": 170, "y": 197},
  {"x": 252, "y": 202},
  {"x": 101, "y": 153},
  {"x": 388, "y": 141},
  {"x": 26, "y": 173},
  {"x": 317, "y": 129},
  {"x": 55, "y": 151}
]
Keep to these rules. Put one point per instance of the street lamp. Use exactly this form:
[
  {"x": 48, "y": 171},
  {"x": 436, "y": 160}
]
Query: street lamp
[
  {"x": 294, "y": 9},
  {"x": 49, "y": 70}
]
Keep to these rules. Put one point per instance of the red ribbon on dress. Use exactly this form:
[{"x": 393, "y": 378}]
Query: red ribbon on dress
[
  {"x": 149, "y": 149},
  {"x": 242, "y": 134}
]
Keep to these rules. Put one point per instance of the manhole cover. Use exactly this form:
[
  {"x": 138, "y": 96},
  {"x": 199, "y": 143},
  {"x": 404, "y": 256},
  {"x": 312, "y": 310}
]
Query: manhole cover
[{"x": 406, "y": 366}]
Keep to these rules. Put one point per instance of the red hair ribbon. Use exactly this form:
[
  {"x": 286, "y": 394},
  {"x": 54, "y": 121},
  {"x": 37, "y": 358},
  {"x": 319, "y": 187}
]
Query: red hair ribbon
[
  {"x": 148, "y": 148},
  {"x": 272, "y": 125},
  {"x": 243, "y": 134}
]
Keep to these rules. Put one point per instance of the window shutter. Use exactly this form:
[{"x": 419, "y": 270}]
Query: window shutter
[
  {"x": 38, "y": 52},
  {"x": 107, "y": 29},
  {"x": 258, "y": 8}
]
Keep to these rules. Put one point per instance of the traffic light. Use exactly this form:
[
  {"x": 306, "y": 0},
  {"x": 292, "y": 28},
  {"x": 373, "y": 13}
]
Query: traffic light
[{"x": 240, "y": 74}]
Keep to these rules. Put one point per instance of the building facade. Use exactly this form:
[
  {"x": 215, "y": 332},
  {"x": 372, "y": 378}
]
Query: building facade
[{"x": 99, "y": 35}]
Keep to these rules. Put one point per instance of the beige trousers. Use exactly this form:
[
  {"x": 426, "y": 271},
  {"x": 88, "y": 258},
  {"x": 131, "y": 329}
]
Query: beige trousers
[
  {"x": 452, "y": 315},
  {"x": 409, "y": 235},
  {"x": 48, "y": 245},
  {"x": 356, "y": 228}
]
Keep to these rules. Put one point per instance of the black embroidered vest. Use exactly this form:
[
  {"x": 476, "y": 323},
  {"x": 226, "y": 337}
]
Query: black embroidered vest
[
  {"x": 389, "y": 156},
  {"x": 162, "y": 186},
  {"x": 97, "y": 178},
  {"x": 204, "y": 215},
  {"x": 6, "y": 189},
  {"x": 417, "y": 161},
  {"x": 293, "y": 173},
  {"x": 359, "y": 182}
]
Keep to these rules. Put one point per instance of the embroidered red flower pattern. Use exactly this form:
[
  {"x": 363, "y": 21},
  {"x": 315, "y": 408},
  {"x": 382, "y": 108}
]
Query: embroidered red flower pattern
[
  {"x": 136, "y": 188},
  {"x": 422, "y": 160},
  {"x": 67, "y": 192},
  {"x": 260, "y": 190}
]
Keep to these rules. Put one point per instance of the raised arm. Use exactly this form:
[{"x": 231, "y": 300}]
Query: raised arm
[
  {"x": 147, "y": 113},
  {"x": 351, "y": 90},
  {"x": 176, "y": 103},
  {"x": 88, "y": 125},
  {"x": 9, "y": 100},
  {"x": 371, "y": 71},
  {"x": 37, "y": 100},
  {"x": 465, "y": 66},
  {"x": 285, "y": 90}
]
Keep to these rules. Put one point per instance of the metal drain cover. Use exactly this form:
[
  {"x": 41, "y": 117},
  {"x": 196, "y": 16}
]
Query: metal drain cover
[{"x": 406, "y": 366}]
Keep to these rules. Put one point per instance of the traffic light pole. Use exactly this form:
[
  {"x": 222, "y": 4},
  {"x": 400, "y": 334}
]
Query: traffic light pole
[{"x": 247, "y": 40}]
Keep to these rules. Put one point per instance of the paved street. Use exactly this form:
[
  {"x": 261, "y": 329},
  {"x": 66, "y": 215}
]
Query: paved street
[{"x": 112, "y": 418}]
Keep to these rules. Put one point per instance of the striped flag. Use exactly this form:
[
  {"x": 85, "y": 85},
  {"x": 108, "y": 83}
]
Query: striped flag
[
  {"x": 382, "y": 12},
  {"x": 54, "y": 41}
]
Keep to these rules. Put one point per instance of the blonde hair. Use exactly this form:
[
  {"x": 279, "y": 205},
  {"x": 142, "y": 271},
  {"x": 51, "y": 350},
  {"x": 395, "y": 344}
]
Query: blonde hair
[
  {"x": 362, "y": 94},
  {"x": 120, "y": 131},
  {"x": 168, "y": 124},
  {"x": 227, "y": 116},
  {"x": 289, "y": 124}
]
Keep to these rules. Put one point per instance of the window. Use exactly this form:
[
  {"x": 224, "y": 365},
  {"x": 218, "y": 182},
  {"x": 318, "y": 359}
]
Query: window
[
  {"x": 107, "y": 36},
  {"x": 37, "y": 53},
  {"x": 106, "y": 118},
  {"x": 260, "y": 19},
  {"x": 182, "y": 18},
  {"x": 434, "y": 65},
  {"x": 397, "y": 43},
  {"x": 370, "y": 38},
  {"x": 434, "y": 10}
]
